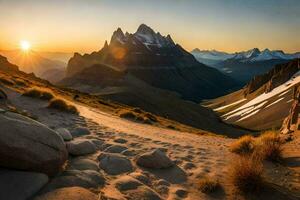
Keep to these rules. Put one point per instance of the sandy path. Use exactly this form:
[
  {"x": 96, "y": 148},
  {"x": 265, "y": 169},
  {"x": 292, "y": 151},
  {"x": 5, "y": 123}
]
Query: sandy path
[
  {"x": 195, "y": 156},
  {"x": 147, "y": 131}
]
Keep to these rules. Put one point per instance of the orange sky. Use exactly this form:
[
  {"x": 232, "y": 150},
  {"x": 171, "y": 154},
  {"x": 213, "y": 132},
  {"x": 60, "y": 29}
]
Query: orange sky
[{"x": 84, "y": 25}]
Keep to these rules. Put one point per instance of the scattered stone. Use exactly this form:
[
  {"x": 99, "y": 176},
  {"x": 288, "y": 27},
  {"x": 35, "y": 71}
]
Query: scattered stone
[
  {"x": 80, "y": 147},
  {"x": 162, "y": 189},
  {"x": 19, "y": 185},
  {"x": 140, "y": 177},
  {"x": 181, "y": 193},
  {"x": 129, "y": 153},
  {"x": 65, "y": 134},
  {"x": 189, "y": 165},
  {"x": 143, "y": 193},
  {"x": 80, "y": 131},
  {"x": 29, "y": 145},
  {"x": 127, "y": 183},
  {"x": 120, "y": 140},
  {"x": 69, "y": 193},
  {"x": 115, "y": 149},
  {"x": 98, "y": 143},
  {"x": 105, "y": 146},
  {"x": 163, "y": 182},
  {"x": 72, "y": 178},
  {"x": 114, "y": 164},
  {"x": 155, "y": 160},
  {"x": 83, "y": 164}
]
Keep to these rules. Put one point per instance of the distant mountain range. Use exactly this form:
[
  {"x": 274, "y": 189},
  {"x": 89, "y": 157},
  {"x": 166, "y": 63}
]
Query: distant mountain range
[
  {"x": 50, "y": 68},
  {"x": 243, "y": 66},
  {"x": 265, "y": 101},
  {"x": 154, "y": 59}
]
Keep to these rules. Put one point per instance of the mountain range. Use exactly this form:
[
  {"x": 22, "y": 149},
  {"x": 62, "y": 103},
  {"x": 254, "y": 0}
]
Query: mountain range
[
  {"x": 154, "y": 59},
  {"x": 243, "y": 66}
]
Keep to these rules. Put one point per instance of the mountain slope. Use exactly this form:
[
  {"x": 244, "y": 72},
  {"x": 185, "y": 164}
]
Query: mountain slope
[
  {"x": 33, "y": 62},
  {"x": 264, "y": 102},
  {"x": 158, "y": 61}
]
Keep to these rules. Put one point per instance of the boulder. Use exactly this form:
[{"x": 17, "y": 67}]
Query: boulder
[
  {"x": 83, "y": 164},
  {"x": 154, "y": 160},
  {"x": 115, "y": 149},
  {"x": 81, "y": 147},
  {"x": 141, "y": 177},
  {"x": 26, "y": 144},
  {"x": 114, "y": 164},
  {"x": 126, "y": 183},
  {"x": 69, "y": 193},
  {"x": 80, "y": 131},
  {"x": 120, "y": 140},
  {"x": 20, "y": 185},
  {"x": 72, "y": 178},
  {"x": 65, "y": 134}
]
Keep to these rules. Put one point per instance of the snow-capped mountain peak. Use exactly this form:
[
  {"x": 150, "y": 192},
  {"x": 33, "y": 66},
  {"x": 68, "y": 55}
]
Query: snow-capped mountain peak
[
  {"x": 144, "y": 35},
  {"x": 119, "y": 36}
]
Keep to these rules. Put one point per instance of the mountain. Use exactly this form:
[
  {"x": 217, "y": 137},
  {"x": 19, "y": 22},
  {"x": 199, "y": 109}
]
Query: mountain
[
  {"x": 243, "y": 66},
  {"x": 33, "y": 62},
  {"x": 158, "y": 61},
  {"x": 211, "y": 57},
  {"x": 7, "y": 66},
  {"x": 265, "y": 101},
  {"x": 255, "y": 54},
  {"x": 58, "y": 56}
]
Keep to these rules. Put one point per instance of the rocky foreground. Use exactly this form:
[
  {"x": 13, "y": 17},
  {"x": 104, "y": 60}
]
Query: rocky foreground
[{"x": 95, "y": 156}]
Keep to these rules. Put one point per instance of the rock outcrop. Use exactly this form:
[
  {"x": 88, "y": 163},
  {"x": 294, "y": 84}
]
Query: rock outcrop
[
  {"x": 28, "y": 145},
  {"x": 275, "y": 77},
  {"x": 292, "y": 123}
]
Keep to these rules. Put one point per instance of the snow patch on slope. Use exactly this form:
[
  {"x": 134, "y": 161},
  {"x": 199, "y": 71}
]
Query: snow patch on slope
[{"x": 261, "y": 100}]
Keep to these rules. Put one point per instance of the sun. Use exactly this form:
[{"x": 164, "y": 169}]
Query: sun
[{"x": 25, "y": 45}]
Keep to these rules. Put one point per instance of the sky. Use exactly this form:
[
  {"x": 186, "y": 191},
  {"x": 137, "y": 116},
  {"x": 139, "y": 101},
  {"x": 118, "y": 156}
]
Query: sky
[{"x": 84, "y": 25}]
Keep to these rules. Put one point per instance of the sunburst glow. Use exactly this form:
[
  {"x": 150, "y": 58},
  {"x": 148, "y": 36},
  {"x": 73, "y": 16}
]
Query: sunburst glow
[{"x": 25, "y": 45}]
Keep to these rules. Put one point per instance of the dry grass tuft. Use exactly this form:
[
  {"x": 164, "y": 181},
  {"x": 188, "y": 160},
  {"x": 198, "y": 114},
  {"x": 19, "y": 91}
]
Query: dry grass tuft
[
  {"x": 39, "y": 94},
  {"x": 247, "y": 174},
  {"x": 62, "y": 105},
  {"x": 137, "y": 115},
  {"x": 270, "y": 147},
  {"x": 244, "y": 145},
  {"x": 208, "y": 185}
]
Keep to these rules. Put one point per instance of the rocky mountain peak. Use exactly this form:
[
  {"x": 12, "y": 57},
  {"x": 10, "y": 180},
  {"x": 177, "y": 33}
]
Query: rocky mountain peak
[
  {"x": 118, "y": 36},
  {"x": 145, "y": 30}
]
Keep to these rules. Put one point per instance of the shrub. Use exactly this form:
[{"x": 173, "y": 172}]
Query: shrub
[
  {"x": 246, "y": 174},
  {"x": 208, "y": 185},
  {"x": 47, "y": 95},
  {"x": 62, "y": 105},
  {"x": 38, "y": 93},
  {"x": 127, "y": 115},
  {"x": 244, "y": 145},
  {"x": 33, "y": 92},
  {"x": 270, "y": 147}
]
